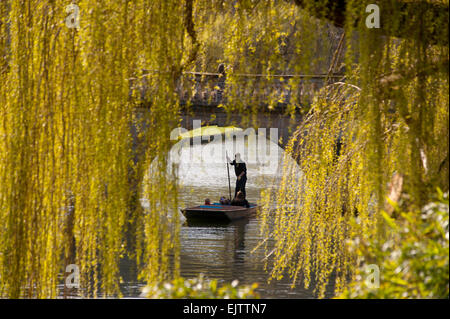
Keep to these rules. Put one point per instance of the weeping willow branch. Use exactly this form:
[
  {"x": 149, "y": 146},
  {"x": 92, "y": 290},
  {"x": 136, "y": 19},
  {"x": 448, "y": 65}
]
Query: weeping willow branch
[
  {"x": 190, "y": 29},
  {"x": 335, "y": 11}
]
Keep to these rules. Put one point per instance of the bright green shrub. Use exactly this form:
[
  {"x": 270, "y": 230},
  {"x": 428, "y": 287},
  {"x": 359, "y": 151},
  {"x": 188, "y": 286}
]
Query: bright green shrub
[{"x": 412, "y": 256}]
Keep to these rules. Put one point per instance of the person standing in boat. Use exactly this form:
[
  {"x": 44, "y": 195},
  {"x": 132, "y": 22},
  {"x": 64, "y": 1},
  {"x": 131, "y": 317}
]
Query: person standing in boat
[{"x": 241, "y": 173}]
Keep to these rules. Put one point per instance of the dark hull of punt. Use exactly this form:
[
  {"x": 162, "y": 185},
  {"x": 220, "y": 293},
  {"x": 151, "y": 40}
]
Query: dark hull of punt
[{"x": 219, "y": 212}]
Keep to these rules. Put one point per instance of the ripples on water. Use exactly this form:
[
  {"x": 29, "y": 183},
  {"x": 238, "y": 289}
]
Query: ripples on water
[{"x": 224, "y": 251}]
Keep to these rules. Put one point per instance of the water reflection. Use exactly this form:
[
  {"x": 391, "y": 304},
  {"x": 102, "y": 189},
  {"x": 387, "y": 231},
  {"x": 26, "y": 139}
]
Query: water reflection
[{"x": 224, "y": 252}]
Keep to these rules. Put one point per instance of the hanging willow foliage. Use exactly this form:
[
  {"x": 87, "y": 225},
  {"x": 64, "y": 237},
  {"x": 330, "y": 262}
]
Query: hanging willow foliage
[{"x": 66, "y": 148}]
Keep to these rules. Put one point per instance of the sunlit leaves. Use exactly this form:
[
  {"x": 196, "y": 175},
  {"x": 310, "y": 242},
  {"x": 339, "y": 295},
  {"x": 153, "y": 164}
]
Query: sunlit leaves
[{"x": 69, "y": 190}]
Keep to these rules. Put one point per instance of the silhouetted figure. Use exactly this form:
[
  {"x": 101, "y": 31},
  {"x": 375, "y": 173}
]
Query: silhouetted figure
[
  {"x": 240, "y": 170},
  {"x": 221, "y": 81}
]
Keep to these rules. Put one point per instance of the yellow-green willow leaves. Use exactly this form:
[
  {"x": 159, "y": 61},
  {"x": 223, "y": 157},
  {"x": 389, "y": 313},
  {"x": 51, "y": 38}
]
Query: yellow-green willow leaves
[
  {"x": 389, "y": 119},
  {"x": 67, "y": 192}
]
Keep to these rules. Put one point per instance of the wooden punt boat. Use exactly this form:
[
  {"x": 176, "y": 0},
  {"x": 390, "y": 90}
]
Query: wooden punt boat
[{"x": 217, "y": 211}]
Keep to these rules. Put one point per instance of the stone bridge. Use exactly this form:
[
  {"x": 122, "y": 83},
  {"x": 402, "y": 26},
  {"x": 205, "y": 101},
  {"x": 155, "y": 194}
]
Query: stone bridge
[{"x": 212, "y": 97}]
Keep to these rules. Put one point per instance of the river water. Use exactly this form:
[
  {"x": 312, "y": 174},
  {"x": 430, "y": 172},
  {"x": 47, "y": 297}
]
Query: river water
[{"x": 226, "y": 251}]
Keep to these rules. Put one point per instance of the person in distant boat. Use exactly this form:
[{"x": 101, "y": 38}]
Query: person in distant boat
[
  {"x": 207, "y": 201},
  {"x": 240, "y": 200},
  {"x": 224, "y": 201},
  {"x": 241, "y": 173}
]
